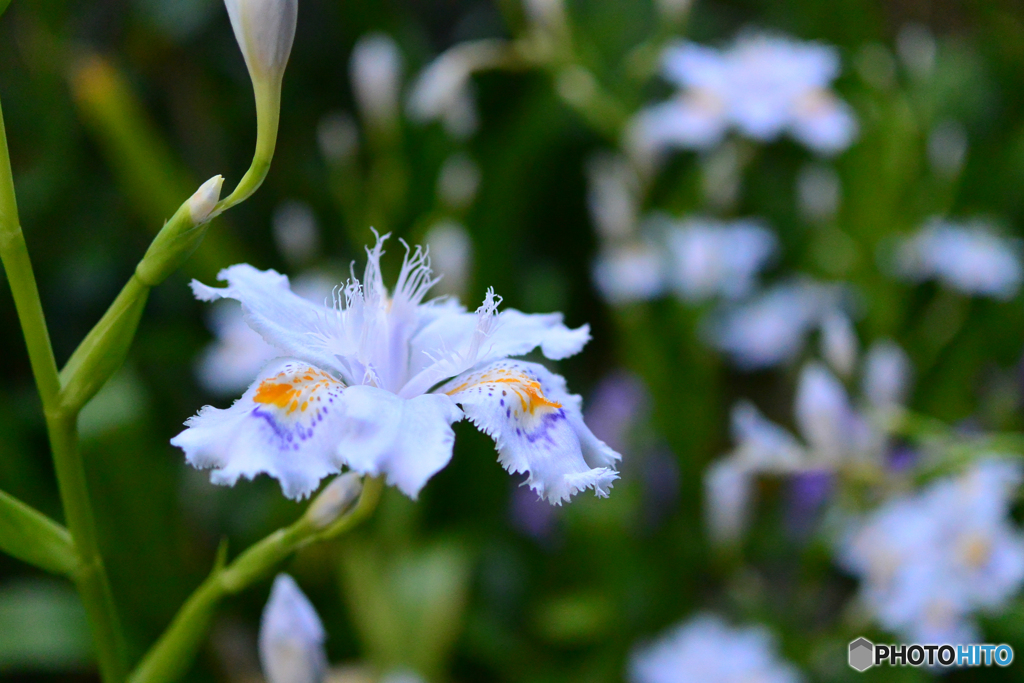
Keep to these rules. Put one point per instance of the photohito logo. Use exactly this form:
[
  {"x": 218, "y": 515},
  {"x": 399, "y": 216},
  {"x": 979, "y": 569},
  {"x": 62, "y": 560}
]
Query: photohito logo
[{"x": 864, "y": 654}]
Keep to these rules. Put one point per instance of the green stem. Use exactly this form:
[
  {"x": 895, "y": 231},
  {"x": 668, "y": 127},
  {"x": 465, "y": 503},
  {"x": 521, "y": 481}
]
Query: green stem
[
  {"x": 18, "y": 267},
  {"x": 268, "y": 117},
  {"x": 171, "y": 657},
  {"x": 90, "y": 577}
]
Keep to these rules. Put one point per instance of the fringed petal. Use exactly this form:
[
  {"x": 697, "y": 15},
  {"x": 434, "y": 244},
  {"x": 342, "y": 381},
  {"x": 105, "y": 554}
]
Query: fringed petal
[
  {"x": 285, "y": 425},
  {"x": 537, "y": 427}
]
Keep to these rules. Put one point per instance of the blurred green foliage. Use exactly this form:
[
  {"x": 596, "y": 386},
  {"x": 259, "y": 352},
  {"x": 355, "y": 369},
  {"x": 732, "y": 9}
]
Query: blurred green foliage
[{"x": 117, "y": 110}]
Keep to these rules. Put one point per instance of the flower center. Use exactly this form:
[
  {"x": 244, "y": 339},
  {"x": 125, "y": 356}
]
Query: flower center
[{"x": 292, "y": 390}]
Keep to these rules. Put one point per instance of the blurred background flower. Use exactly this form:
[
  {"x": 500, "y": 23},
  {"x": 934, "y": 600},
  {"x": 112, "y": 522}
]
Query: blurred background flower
[{"x": 794, "y": 229}]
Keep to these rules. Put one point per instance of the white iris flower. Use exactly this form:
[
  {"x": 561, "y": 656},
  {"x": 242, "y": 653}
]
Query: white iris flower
[
  {"x": 718, "y": 258},
  {"x": 707, "y": 650},
  {"x": 836, "y": 435},
  {"x": 969, "y": 258},
  {"x": 927, "y": 562},
  {"x": 771, "y": 328},
  {"x": 374, "y": 382},
  {"x": 763, "y": 86}
]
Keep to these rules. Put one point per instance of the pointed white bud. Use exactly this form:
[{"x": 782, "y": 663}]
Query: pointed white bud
[
  {"x": 291, "y": 636},
  {"x": 376, "y": 73},
  {"x": 839, "y": 342},
  {"x": 727, "y": 493},
  {"x": 887, "y": 372},
  {"x": 202, "y": 203},
  {"x": 823, "y": 412},
  {"x": 335, "y": 500},
  {"x": 265, "y": 30}
]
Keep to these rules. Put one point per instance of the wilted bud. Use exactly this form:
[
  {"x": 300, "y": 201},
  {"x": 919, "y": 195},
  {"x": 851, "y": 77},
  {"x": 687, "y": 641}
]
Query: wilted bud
[
  {"x": 376, "y": 73},
  {"x": 265, "y": 30},
  {"x": 335, "y": 500},
  {"x": 291, "y": 636},
  {"x": 202, "y": 203}
]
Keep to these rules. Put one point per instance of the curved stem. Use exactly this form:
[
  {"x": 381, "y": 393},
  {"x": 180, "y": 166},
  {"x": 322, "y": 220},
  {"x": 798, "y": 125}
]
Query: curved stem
[
  {"x": 171, "y": 657},
  {"x": 268, "y": 117}
]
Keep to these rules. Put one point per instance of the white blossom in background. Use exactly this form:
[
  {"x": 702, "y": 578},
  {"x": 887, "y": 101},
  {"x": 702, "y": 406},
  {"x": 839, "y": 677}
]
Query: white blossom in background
[
  {"x": 967, "y": 257},
  {"x": 714, "y": 258},
  {"x": 917, "y": 49},
  {"x": 238, "y": 353},
  {"x": 547, "y": 14},
  {"x": 337, "y": 136},
  {"x": 612, "y": 196},
  {"x": 763, "y": 86},
  {"x": 819, "y": 192},
  {"x": 930, "y": 561},
  {"x": 839, "y": 342},
  {"x": 374, "y": 382},
  {"x": 835, "y": 434},
  {"x": 771, "y": 328},
  {"x": 451, "y": 252},
  {"x": 458, "y": 182},
  {"x": 291, "y": 640},
  {"x": 727, "y": 500},
  {"x": 947, "y": 148},
  {"x": 629, "y": 272},
  {"x": 376, "y": 72},
  {"x": 296, "y": 232},
  {"x": 886, "y": 375},
  {"x": 707, "y": 650},
  {"x": 443, "y": 90}
]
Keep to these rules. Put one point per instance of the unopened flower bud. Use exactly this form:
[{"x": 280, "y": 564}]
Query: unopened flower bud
[
  {"x": 202, "y": 203},
  {"x": 265, "y": 30},
  {"x": 291, "y": 638},
  {"x": 335, "y": 500}
]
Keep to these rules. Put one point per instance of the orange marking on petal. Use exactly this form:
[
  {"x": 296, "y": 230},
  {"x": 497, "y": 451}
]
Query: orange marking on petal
[
  {"x": 520, "y": 384},
  {"x": 273, "y": 392}
]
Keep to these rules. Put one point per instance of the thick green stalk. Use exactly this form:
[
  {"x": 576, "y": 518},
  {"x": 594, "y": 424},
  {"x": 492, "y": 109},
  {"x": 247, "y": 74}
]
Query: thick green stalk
[
  {"x": 90, "y": 577},
  {"x": 171, "y": 657},
  {"x": 18, "y": 267}
]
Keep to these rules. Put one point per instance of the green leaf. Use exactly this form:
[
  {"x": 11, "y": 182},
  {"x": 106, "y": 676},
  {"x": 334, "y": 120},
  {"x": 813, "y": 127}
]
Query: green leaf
[
  {"x": 34, "y": 538},
  {"x": 44, "y": 627},
  {"x": 3, "y": 6}
]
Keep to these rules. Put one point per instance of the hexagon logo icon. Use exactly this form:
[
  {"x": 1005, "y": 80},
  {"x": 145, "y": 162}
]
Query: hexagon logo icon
[{"x": 862, "y": 654}]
